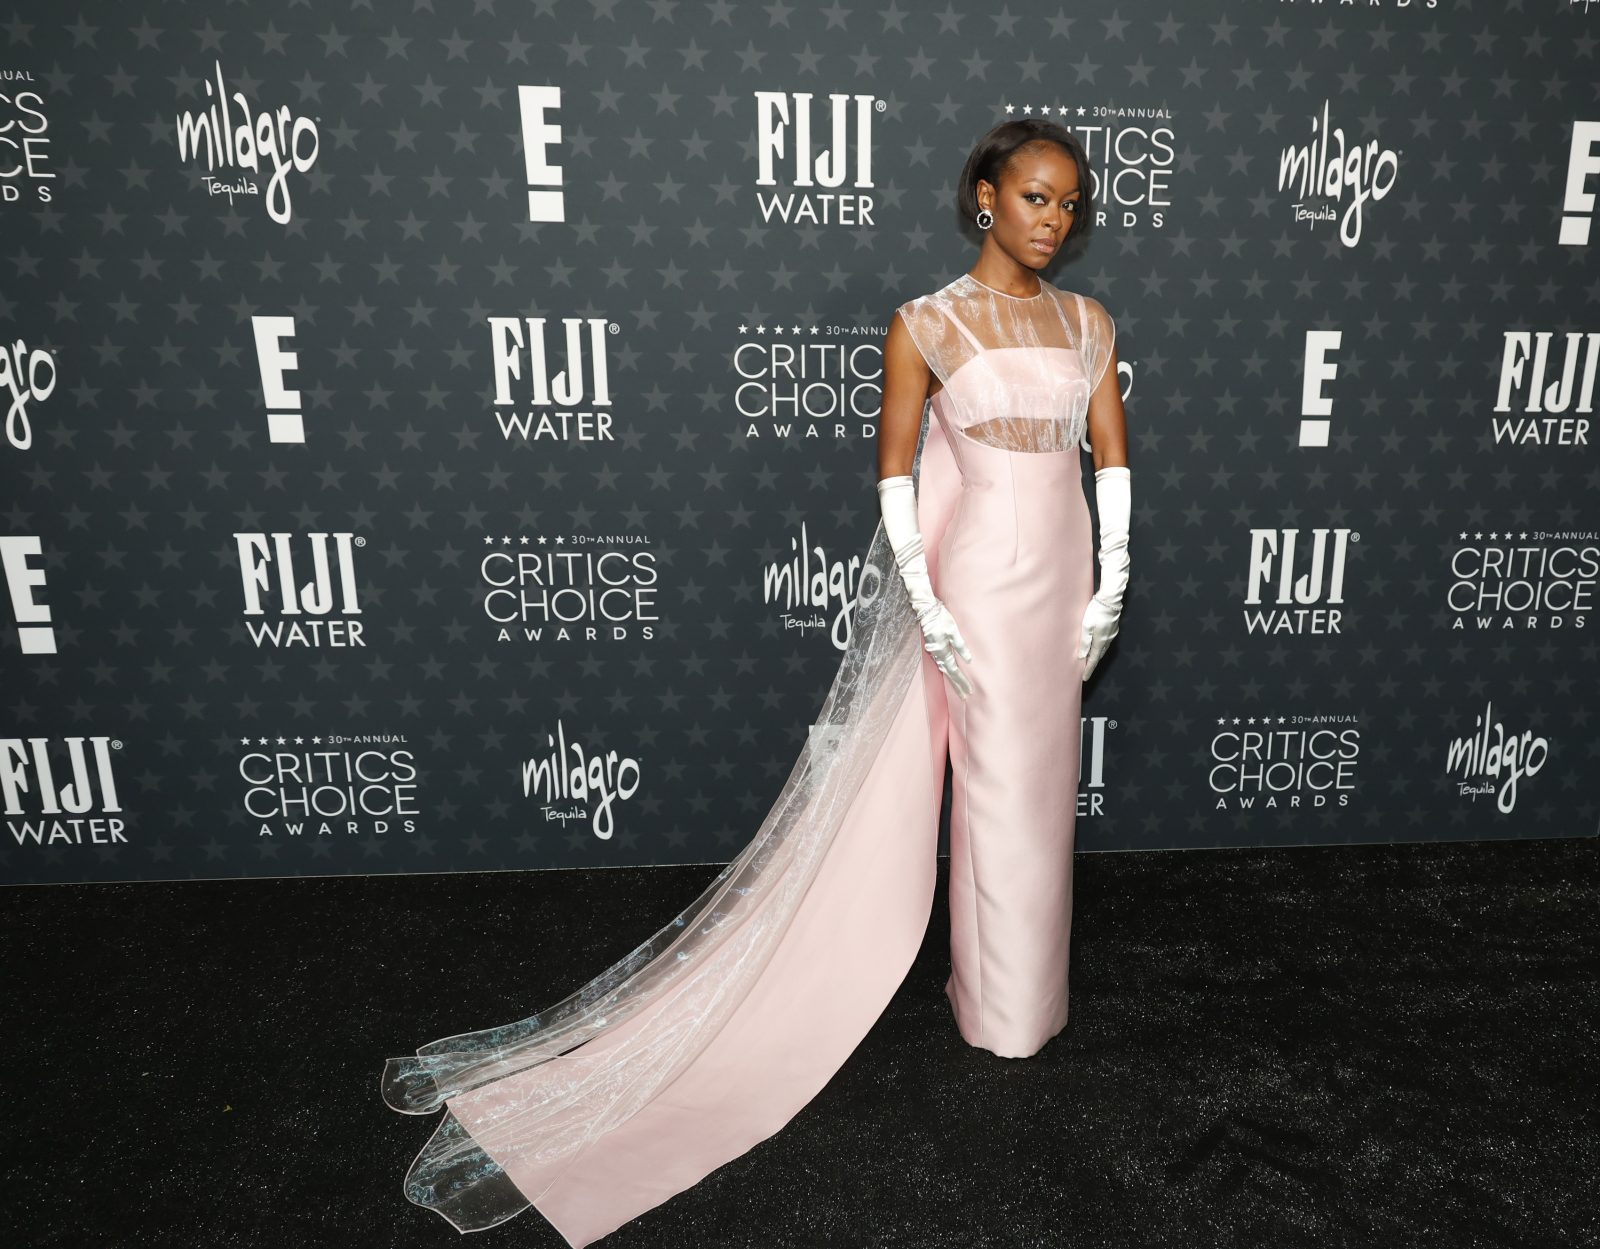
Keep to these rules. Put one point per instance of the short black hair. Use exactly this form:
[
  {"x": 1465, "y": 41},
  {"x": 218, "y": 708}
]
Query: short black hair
[{"x": 993, "y": 153}]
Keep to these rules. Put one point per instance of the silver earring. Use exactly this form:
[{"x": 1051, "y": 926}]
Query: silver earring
[{"x": 985, "y": 218}]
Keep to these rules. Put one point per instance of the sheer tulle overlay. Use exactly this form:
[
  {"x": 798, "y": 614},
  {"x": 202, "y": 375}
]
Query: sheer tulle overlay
[
  {"x": 711, "y": 1034},
  {"x": 1017, "y": 371}
]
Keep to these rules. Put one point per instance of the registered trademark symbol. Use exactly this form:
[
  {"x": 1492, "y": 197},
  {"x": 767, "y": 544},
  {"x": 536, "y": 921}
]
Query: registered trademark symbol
[
  {"x": 614, "y": 328},
  {"x": 880, "y": 104},
  {"x": 1355, "y": 537},
  {"x": 361, "y": 541},
  {"x": 1111, "y": 724},
  {"x": 116, "y": 743}
]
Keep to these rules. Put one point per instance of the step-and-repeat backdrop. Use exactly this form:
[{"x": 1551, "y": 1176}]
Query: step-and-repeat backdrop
[{"x": 442, "y": 437}]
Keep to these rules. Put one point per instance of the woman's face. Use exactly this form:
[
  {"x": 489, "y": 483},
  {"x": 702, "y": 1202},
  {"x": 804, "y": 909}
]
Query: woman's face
[{"x": 1034, "y": 205}]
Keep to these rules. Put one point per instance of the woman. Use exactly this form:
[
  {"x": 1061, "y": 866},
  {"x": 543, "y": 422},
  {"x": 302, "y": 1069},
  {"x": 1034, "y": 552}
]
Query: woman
[{"x": 712, "y": 1034}]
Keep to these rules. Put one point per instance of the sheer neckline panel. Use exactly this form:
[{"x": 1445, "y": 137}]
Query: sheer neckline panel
[{"x": 1043, "y": 355}]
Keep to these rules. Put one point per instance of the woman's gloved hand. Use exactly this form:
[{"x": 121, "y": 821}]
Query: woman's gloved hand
[
  {"x": 897, "y": 499},
  {"x": 1112, "y": 496}
]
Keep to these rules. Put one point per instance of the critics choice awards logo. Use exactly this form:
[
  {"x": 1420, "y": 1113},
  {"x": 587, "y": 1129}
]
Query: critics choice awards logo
[
  {"x": 570, "y": 587},
  {"x": 25, "y": 156},
  {"x": 1527, "y": 581},
  {"x": 792, "y": 380},
  {"x": 1293, "y": 762},
  {"x": 329, "y": 785},
  {"x": 1132, "y": 153}
]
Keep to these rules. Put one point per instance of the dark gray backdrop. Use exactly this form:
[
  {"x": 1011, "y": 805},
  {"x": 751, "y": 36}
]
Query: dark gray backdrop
[{"x": 268, "y": 495}]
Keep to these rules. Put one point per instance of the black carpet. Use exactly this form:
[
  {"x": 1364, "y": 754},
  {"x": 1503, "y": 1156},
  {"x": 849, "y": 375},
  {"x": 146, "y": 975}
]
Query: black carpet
[{"x": 1367, "y": 1046}]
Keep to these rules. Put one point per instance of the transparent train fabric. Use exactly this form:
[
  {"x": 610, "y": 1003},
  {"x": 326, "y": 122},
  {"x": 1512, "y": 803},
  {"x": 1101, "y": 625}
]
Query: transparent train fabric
[
  {"x": 707, "y": 957},
  {"x": 999, "y": 387},
  {"x": 702, "y": 963}
]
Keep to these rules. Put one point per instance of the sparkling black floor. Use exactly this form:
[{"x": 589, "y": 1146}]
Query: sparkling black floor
[{"x": 1386, "y": 1046}]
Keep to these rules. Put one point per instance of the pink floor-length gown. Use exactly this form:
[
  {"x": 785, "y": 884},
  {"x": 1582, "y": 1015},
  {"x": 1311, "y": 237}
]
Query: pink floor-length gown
[{"x": 1006, "y": 526}]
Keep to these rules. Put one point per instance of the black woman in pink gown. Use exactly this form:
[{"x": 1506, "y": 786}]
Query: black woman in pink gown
[{"x": 713, "y": 1033}]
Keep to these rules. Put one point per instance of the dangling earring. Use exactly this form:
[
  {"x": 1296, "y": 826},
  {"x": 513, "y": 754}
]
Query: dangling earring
[{"x": 985, "y": 218}]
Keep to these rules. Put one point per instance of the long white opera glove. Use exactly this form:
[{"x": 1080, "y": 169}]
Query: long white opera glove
[
  {"x": 897, "y": 499},
  {"x": 1112, "y": 496}
]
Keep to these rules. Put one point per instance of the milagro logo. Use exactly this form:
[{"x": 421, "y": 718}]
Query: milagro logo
[
  {"x": 794, "y": 380},
  {"x": 61, "y": 791},
  {"x": 576, "y": 784},
  {"x": 1523, "y": 581},
  {"x": 1298, "y": 761},
  {"x": 27, "y": 375},
  {"x": 24, "y": 141},
  {"x": 809, "y": 586},
  {"x": 534, "y": 401},
  {"x": 329, "y": 785},
  {"x": 236, "y": 138},
  {"x": 1324, "y": 170},
  {"x": 280, "y": 608},
  {"x": 1549, "y": 411},
  {"x": 1499, "y": 759},
  {"x": 802, "y": 145},
  {"x": 1307, "y": 603},
  {"x": 570, "y": 587},
  {"x": 22, "y": 567}
]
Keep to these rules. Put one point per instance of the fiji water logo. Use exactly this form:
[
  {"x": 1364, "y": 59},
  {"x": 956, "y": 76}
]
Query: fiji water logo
[
  {"x": 1548, "y": 388},
  {"x": 1093, "y": 737},
  {"x": 68, "y": 784},
  {"x": 300, "y": 589},
  {"x": 239, "y": 138},
  {"x": 1325, "y": 169},
  {"x": 537, "y": 401},
  {"x": 1296, "y": 586},
  {"x": 1500, "y": 759},
  {"x": 823, "y": 159}
]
